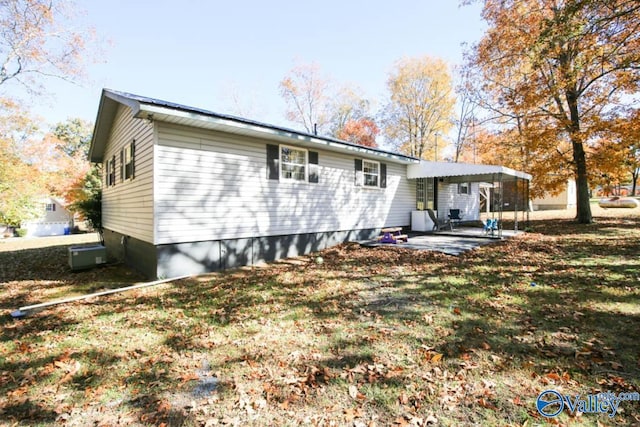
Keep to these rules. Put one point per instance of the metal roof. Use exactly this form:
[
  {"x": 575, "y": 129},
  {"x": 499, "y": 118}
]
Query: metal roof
[
  {"x": 461, "y": 172},
  {"x": 158, "y": 110}
]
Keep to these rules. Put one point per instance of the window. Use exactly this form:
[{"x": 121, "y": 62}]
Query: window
[
  {"x": 425, "y": 194},
  {"x": 420, "y": 194},
  {"x": 128, "y": 158},
  {"x": 293, "y": 163},
  {"x": 111, "y": 171},
  {"x": 371, "y": 171},
  {"x": 464, "y": 188},
  {"x": 50, "y": 207}
]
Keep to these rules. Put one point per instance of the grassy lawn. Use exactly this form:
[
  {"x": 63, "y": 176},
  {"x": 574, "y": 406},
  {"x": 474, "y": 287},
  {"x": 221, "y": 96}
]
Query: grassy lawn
[{"x": 382, "y": 336}]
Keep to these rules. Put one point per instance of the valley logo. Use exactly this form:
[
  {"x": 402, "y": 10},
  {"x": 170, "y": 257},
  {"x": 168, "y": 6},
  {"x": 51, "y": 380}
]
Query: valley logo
[{"x": 550, "y": 403}]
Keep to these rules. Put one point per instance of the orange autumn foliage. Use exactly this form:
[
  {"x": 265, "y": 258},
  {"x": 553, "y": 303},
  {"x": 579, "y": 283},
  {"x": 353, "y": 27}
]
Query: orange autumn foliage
[{"x": 362, "y": 132}]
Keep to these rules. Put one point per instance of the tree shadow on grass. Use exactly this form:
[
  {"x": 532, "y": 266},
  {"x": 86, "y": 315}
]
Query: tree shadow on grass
[{"x": 575, "y": 319}]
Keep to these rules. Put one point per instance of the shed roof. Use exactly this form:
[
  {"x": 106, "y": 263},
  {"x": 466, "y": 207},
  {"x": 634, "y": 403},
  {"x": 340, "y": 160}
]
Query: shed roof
[
  {"x": 461, "y": 172},
  {"x": 158, "y": 110}
]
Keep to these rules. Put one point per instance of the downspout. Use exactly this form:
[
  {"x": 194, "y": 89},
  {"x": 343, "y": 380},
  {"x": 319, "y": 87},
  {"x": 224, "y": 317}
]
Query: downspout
[{"x": 23, "y": 311}]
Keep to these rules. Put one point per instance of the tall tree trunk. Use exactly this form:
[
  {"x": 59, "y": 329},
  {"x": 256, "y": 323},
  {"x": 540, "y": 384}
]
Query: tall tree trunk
[
  {"x": 583, "y": 215},
  {"x": 634, "y": 176},
  {"x": 582, "y": 185}
]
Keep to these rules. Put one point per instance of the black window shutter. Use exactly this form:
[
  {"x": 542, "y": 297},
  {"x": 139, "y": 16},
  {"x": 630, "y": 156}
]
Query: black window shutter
[
  {"x": 273, "y": 154},
  {"x": 383, "y": 175},
  {"x": 133, "y": 158},
  {"x": 358, "y": 169},
  {"x": 113, "y": 170},
  {"x": 122, "y": 164},
  {"x": 314, "y": 177}
]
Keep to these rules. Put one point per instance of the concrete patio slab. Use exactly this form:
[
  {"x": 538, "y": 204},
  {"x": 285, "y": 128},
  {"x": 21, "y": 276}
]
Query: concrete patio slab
[{"x": 453, "y": 242}]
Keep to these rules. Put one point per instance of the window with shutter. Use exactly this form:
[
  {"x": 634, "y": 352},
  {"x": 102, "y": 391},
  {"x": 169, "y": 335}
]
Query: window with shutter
[{"x": 293, "y": 163}]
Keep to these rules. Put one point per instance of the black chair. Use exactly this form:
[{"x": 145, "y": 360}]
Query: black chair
[{"x": 455, "y": 216}]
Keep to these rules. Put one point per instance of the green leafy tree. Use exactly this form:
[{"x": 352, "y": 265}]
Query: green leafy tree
[
  {"x": 88, "y": 201},
  {"x": 74, "y": 136}
]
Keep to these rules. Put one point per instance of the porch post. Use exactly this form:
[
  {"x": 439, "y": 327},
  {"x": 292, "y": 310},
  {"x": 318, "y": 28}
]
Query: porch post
[
  {"x": 500, "y": 211},
  {"x": 528, "y": 210}
]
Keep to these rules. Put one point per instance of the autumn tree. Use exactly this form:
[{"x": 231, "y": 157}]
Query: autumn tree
[
  {"x": 20, "y": 180},
  {"x": 305, "y": 90},
  {"x": 420, "y": 106},
  {"x": 67, "y": 148},
  {"x": 515, "y": 147},
  {"x": 617, "y": 160},
  {"x": 630, "y": 133},
  {"x": 314, "y": 103},
  {"x": 465, "y": 121},
  {"x": 348, "y": 104},
  {"x": 566, "y": 62},
  {"x": 37, "y": 41},
  {"x": 362, "y": 131},
  {"x": 633, "y": 165}
]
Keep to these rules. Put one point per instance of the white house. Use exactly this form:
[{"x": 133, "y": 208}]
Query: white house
[
  {"x": 565, "y": 199},
  {"x": 188, "y": 191},
  {"x": 54, "y": 219}
]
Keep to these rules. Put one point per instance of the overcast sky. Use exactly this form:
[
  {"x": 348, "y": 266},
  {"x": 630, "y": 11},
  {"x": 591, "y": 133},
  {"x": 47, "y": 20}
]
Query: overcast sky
[{"x": 198, "y": 53}]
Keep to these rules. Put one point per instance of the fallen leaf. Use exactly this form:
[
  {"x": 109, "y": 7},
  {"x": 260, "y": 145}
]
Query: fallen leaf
[
  {"x": 353, "y": 391},
  {"x": 189, "y": 377},
  {"x": 553, "y": 376},
  {"x": 164, "y": 406},
  {"x": 487, "y": 404},
  {"x": 436, "y": 358},
  {"x": 353, "y": 413},
  {"x": 403, "y": 398},
  {"x": 615, "y": 365}
]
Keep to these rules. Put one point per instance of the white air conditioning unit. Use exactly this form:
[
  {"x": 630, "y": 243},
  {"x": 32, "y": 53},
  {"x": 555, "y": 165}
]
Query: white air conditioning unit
[{"x": 82, "y": 257}]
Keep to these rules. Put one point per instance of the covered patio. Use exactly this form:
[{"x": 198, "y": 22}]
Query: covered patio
[{"x": 477, "y": 191}]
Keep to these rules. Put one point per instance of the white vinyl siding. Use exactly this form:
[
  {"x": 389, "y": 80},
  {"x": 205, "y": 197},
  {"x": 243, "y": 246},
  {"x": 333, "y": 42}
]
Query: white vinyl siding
[
  {"x": 469, "y": 204},
  {"x": 127, "y": 206},
  {"x": 212, "y": 186}
]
